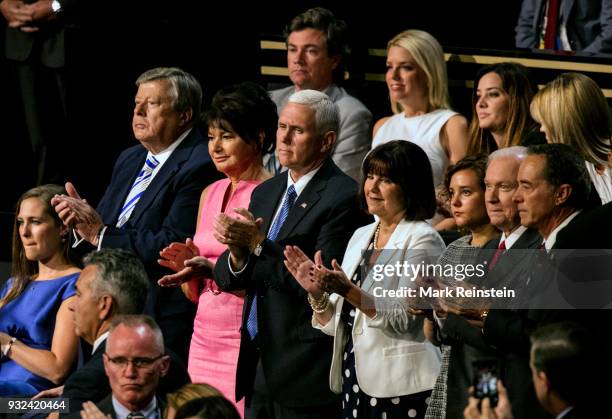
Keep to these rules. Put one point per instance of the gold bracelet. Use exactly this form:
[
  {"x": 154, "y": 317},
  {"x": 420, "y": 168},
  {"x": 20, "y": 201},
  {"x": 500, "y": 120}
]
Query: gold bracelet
[{"x": 320, "y": 305}]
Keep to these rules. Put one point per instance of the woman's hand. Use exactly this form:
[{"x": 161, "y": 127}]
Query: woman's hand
[
  {"x": 331, "y": 280},
  {"x": 302, "y": 268},
  {"x": 184, "y": 259},
  {"x": 175, "y": 255}
]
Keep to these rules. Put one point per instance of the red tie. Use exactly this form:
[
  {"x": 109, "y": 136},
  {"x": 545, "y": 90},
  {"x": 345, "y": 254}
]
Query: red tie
[
  {"x": 552, "y": 16},
  {"x": 500, "y": 250}
]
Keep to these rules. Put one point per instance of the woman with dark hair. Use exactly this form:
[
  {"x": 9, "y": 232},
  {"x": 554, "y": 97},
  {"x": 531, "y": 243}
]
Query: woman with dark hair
[
  {"x": 466, "y": 189},
  {"x": 500, "y": 109},
  {"x": 241, "y": 126},
  {"x": 382, "y": 362},
  {"x": 37, "y": 338}
]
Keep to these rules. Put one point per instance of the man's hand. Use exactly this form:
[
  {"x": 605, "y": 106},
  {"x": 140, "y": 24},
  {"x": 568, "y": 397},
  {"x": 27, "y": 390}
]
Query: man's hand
[
  {"x": 503, "y": 410},
  {"x": 91, "y": 411},
  {"x": 241, "y": 235},
  {"x": 27, "y": 17},
  {"x": 78, "y": 214},
  {"x": 13, "y": 12},
  {"x": 52, "y": 392}
]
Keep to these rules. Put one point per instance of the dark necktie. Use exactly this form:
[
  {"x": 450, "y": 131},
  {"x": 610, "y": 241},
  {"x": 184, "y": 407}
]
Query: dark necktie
[
  {"x": 291, "y": 195},
  {"x": 500, "y": 249},
  {"x": 552, "y": 18}
]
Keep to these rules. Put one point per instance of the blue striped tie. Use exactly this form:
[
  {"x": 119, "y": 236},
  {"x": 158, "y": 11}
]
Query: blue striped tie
[
  {"x": 138, "y": 188},
  {"x": 251, "y": 323}
]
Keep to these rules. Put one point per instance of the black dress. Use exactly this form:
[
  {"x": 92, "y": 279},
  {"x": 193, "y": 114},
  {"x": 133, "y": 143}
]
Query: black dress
[{"x": 356, "y": 403}]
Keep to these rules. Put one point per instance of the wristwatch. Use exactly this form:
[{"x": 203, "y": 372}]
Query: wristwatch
[
  {"x": 56, "y": 6},
  {"x": 259, "y": 248}
]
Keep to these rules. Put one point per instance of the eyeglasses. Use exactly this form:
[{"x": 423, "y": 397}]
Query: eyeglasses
[{"x": 140, "y": 363}]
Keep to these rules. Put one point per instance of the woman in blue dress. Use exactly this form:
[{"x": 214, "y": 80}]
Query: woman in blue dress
[{"x": 38, "y": 345}]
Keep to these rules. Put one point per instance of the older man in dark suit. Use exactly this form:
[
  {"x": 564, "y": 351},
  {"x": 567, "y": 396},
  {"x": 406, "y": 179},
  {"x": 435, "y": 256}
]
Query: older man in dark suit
[
  {"x": 134, "y": 361},
  {"x": 153, "y": 196},
  {"x": 283, "y": 366}
]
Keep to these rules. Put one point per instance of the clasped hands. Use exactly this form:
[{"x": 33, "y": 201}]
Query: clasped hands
[
  {"x": 26, "y": 17},
  {"x": 315, "y": 278},
  {"x": 241, "y": 235},
  {"x": 76, "y": 213},
  {"x": 185, "y": 260}
]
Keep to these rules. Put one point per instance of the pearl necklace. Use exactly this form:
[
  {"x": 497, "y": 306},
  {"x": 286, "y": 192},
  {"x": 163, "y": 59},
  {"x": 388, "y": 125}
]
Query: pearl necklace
[{"x": 376, "y": 236}]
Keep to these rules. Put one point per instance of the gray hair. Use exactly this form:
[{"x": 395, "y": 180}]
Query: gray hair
[
  {"x": 136, "y": 320},
  {"x": 185, "y": 89},
  {"x": 517, "y": 152},
  {"x": 121, "y": 275},
  {"x": 327, "y": 115}
]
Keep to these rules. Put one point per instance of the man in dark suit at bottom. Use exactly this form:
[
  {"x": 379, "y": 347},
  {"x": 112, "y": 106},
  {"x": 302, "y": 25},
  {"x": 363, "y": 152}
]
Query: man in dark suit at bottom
[
  {"x": 284, "y": 363},
  {"x": 134, "y": 362},
  {"x": 112, "y": 283}
]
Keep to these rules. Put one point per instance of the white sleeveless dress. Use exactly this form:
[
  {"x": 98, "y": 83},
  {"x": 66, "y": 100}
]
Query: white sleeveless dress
[{"x": 423, "y": 130}]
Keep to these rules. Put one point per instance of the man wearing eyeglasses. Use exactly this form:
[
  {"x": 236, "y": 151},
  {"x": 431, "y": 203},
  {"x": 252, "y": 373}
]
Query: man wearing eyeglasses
[
  {"x": 113, "y": 283},
  {"x": 134, "y": 362}
]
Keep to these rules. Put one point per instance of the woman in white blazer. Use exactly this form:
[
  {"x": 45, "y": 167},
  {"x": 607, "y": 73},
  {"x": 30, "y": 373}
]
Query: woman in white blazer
[{"x": 382, "y": 362}]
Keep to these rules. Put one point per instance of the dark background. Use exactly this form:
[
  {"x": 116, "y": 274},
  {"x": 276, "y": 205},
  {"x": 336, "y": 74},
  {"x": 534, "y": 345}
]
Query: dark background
[{"x": 109, "y": 45}]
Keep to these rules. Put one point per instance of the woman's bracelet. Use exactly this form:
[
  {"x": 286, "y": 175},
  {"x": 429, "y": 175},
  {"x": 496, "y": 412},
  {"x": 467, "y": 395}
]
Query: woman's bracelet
[
  {"x": 319, "y": 305},
  {"x": 7, "y": 347}
]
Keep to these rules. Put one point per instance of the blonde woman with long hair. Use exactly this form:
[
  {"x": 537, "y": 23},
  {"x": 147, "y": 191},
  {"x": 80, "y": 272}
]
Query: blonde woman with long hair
[{"x": 572, "y": 110}]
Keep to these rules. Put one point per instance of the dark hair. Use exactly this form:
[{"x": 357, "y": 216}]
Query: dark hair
[
  {"x": 213, "y": 407},
  {"x": 476, "y": 163},
  {"x": 121, "y": 275},
  {"x": 247, "y": 110},
  {"x": 566, "y": 353},
  {"x": 335, "y": 31},
  {"x": 22, "y": 269},
  {"x": 520, "y": 88},
  {"x": 564, "y": 165},
  {"x": 406, "y": 164}
]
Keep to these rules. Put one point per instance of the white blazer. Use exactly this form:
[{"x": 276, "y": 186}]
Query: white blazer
[{"x": 392, "y": 356}]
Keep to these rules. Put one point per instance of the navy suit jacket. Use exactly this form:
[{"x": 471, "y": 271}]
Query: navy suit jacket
[
  {"x": 166, "y": 212},
  {"x": 588, "y": 24},
  {"x": 296, "y": 358}
]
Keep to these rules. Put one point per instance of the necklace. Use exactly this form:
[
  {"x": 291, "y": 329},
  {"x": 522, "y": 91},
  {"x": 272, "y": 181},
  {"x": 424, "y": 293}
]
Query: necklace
[{"x": 376, "y": 236}]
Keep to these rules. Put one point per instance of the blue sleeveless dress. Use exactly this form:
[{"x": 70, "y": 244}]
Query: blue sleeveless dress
[{"x": 31, "y": 319}]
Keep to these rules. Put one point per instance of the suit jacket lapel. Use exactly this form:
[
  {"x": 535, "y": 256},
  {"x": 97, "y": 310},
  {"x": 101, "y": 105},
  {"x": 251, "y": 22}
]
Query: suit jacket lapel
[
  {"x": 120, "y": 188},
  {"x": 305, "y": 202},
  {"x": 267, "y": 208},
  {"x": 391, "y": 252},
  {"x": 166, "y": 173}
]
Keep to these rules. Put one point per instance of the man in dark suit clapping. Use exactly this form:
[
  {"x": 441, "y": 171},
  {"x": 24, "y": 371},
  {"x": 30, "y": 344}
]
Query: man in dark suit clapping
[{"x": 283, "y": 366}]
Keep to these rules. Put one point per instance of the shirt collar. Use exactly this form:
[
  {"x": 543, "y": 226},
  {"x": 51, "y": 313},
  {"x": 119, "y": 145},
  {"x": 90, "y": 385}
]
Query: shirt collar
[
  {"x": 99, "y": 341},
  {"x": 164, "y": 155},
  {"x": 149, "y": 412},
  {"x": 302, "y": 182},
  {"x": 552, "y": 237},
  {"x": 512, "y": 237}
]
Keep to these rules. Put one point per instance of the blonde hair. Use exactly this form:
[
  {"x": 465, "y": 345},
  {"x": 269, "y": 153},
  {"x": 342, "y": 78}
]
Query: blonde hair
[
  {"x": 574, "y": 112},
  {"x": 190, "y": 392},
  {"x": 429, "y": 56}
]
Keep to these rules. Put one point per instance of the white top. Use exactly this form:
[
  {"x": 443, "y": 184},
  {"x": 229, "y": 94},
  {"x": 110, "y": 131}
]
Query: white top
[
  {"x": 424, "y": 131},
  {"x": 602, "y": 182}
]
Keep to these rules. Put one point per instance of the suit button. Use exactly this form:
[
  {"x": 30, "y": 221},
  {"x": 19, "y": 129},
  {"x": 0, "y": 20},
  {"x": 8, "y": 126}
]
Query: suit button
[{"x": 358, "y": 331}]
